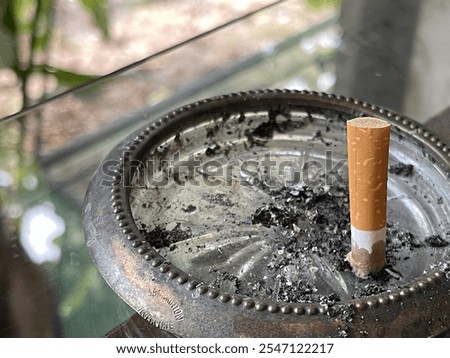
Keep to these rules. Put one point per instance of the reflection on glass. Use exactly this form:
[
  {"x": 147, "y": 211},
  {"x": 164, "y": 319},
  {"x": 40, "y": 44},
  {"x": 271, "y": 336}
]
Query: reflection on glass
[
  {"x": 40, "y": 227},
  {"x": 42, "y": 182},
  {"x": 6, "y": 179}
]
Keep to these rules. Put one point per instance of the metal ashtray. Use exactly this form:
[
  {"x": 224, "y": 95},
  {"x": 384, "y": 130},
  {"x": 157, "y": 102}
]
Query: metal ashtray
[{"x": 229, "y": 217}]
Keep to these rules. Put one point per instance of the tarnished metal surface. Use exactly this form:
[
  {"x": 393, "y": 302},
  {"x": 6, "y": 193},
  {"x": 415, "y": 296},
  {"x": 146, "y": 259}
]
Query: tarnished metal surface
[
  {"x": 137, "y": 327},
  {"x": 179, "y": 301}
]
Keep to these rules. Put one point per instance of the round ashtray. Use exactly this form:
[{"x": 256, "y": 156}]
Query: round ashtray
[{"x": 229, "y": 217}]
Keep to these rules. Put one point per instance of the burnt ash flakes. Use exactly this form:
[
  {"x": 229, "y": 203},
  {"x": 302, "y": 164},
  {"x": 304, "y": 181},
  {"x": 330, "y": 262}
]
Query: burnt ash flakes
[
  {"x": 436, "y": 241},
  {"x": 278, "y": 121},
  {"x": 212, "y": 150},
  {"x": 402, "y": 169},
  {"x": 302, "y": 291},
  {"x": 317, "y": 221},
  {"x": 189, "y": 209},
  {"x": 299, "y": 291},
  {"x": 264, "y": 130},
  {"x": 218, "y": 199},
  {"x": 212, "y": 132},
  {"x": 271, "y": 215},
  {"x": 320, "y": 216},
  {"x": 368, "y": 290},
  {"x": 160, "y": 237},
  {"x": 342, "y": 312},
  {"x": 223, "y": 276},
  {"x": 311, "y": 221},
  {"x": 317, "y": 136},
  {"x": 398, "y": 241}
]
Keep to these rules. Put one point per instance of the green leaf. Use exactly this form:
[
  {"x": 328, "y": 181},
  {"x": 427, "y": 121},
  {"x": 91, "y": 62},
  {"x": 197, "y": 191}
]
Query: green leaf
[
  {"x": 317, "y": 4},
  {"x": 22, "y": 12},
  {"x": 7, "y": 52},
  {"x": 67, "y": 78},
  {"x": 43, "y": 25},
  {"x": 99, "y": 11},
  {"x": 41, "y": 41},
  {"x": 8, "y": 17}
]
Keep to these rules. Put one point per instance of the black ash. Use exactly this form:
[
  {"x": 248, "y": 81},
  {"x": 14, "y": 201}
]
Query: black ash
[
  {"x": 402, "y": 169},
  {"x": 160, "y": 237},
  {"x": 316, "y": 220},
  {"x": 436, "y": 241},
  {"x": 218, "y": 199},
  {"x": 311, "y": 222},
  {"x": 278, "y": 121}
]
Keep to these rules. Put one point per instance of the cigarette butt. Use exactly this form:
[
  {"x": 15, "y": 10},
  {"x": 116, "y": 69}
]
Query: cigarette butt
[{"x": 368, "y": 153}]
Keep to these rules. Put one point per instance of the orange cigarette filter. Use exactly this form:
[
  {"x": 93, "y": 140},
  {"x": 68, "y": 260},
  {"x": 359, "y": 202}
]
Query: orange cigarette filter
[{"x": 368, "y": 154}]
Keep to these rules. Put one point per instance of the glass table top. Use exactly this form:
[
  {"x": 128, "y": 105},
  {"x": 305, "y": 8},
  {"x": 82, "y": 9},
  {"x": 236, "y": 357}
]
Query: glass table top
[{"x": 49, "y": 286}]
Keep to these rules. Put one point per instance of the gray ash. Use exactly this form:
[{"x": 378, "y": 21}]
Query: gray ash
[
  {"x": 317, "y": 136},
  {"x": 264, "y": 130},
  {"x": 212, "y": 150},
  {"x": 320, "y": 215},
  {"x": 342, "y": 312},
  {"x": 211, "y": 132},
  {"x": 279, "y": 121},
  {"x": 311, "y": 222},
  {"x": 368, "y": 290},
  {"x": 299, "y": 291},
  {"x": 402, "y": 169},
  {"x": 159, "y": 237},
  {"x": 302, "y": 291},
  {"x": 316, "y": 221},
  {"x": 401, "y": 239},
  {"x": 273, "y": 215},
  {"x": 436, "y": 241},
  {"x": 222, "y": 276},
  {"x": 189, "y": 209},
  {"x": 218, "y": 199}
]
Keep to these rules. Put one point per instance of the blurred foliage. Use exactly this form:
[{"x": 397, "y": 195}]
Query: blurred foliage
[
  {"x": 316, "y": 4},
  {"x": 68, "y": 78},
  {"x": 86, "y": 305},
  {"x": 99, "y": 11},
  {"x": 25, "y": 37}
]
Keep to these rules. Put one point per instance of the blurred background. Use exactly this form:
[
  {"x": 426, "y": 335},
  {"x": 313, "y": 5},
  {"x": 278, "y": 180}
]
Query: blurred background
[{"x": 76, "y": 76}]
